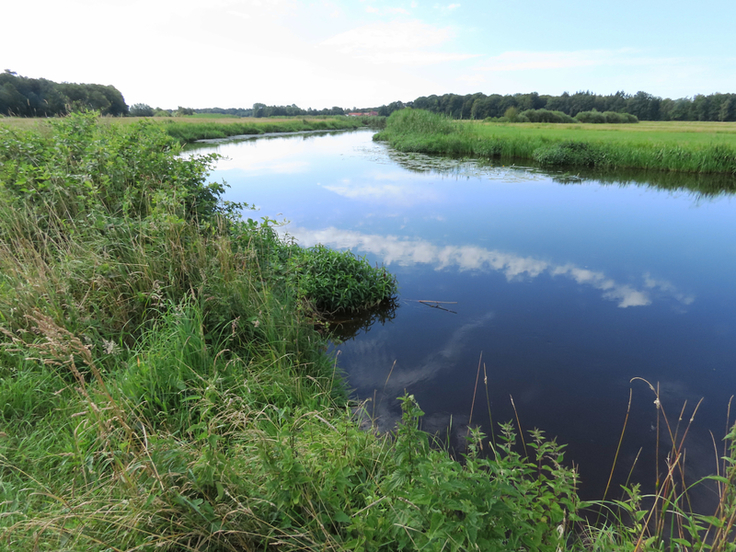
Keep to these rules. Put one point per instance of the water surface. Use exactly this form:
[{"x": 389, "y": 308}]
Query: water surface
[{"x": 563, "y": 292}]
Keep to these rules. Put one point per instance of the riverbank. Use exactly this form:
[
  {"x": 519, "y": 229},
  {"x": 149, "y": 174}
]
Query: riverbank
[
  {"x": 704, "y": 148},
  {"x": 162, "y": 385},
  {"x": 187, "y": 130},
  {"x": 192, "y": 128}
]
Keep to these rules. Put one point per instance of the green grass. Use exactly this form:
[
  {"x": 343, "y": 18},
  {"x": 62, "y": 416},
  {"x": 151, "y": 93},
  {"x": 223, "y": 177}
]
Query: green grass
[
  {"x": 197, "y": 129},
  {"x": 679, "y": 147}
]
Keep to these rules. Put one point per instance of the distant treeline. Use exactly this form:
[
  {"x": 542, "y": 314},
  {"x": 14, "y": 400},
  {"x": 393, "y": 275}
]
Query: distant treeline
[
  {"x": 258, "y": 110},
  {"x": 644, "y": 106},
  {"x": 262, "y": 110},
  {"x": 26, "y": 97}
]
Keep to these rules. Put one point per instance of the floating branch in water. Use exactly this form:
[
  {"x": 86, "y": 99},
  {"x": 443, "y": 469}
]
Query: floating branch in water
[{"x": 435, "y": 304}]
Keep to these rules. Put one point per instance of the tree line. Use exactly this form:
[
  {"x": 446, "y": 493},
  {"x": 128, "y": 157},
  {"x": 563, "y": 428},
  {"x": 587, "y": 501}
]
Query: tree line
[
  {"x": 259, "y": 110},
  {"x": 26, "y": 97},
  {"x": 644, "y": 106}
]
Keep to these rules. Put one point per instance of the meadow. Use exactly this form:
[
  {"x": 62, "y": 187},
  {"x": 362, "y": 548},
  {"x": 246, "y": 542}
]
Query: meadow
[
  {"x": 164, "y": 385},
  {"x": 694, "y": 147}
]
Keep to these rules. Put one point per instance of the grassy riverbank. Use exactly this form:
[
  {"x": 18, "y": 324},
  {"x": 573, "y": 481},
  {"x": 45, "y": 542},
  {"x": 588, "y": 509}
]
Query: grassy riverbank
[
  {"x": 683, "y": 147},
  {"x": 196, "y": 127},
  {"x": 162, "y": 385}
]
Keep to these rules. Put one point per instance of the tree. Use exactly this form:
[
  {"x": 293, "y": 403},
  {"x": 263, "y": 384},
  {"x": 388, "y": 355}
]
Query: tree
[
  {"x": 644, "y": 106},
  {"x": 141, "y": 110}
]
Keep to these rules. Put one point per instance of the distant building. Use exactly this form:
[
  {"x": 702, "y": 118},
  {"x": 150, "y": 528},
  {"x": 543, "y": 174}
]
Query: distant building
[{"x": 363, "y": 114}]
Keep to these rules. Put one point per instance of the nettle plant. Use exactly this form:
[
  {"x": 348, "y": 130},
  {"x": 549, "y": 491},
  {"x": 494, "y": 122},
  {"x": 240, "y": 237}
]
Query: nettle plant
[{"x": 497, "y": 501}]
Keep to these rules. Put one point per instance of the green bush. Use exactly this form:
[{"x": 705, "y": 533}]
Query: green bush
[
  {"x": 608, "y": 117},
  {"x": 580, "y": 154},
  {"x": 338, "y": 281},
  {"x": 546, "y": 116},
  {"x": 499, "y": 502}
]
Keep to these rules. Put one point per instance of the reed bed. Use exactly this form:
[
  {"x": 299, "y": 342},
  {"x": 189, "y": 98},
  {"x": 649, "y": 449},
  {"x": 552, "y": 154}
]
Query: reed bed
[{"x": 192, "y": 128}]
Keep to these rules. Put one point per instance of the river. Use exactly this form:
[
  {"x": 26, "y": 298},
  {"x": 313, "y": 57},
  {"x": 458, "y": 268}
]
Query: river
[{"x": 561, "y": 289}]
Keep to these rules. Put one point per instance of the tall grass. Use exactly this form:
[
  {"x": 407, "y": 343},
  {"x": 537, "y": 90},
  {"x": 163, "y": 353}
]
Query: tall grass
[
  {"x": 186, "y": 131},
  {"x": 665, "y": 520},
  {"x": 563, "y": 147}
]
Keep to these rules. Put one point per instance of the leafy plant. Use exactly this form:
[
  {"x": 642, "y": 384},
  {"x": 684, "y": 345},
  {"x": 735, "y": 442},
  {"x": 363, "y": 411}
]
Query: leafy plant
[{"x": 338, "y": 281}]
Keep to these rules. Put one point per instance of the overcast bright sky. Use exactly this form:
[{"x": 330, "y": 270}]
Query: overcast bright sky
[{"x": 233, "y": 53}]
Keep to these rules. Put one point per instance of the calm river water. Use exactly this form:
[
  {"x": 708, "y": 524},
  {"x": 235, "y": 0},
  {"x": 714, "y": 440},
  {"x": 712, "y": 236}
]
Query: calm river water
[{"x": 568, "y": 291}]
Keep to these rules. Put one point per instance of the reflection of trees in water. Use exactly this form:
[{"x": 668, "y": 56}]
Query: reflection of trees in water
[{"x": 342, "y": 328}]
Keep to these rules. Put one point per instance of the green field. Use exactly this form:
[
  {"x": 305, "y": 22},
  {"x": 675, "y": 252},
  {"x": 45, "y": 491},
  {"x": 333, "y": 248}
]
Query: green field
[{"x": 685, "y": 133}]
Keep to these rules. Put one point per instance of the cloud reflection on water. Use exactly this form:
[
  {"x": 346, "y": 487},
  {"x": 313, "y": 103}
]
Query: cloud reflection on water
[
  {"x": 403, "y": 251},
  {"x": 392, "y": 193}
]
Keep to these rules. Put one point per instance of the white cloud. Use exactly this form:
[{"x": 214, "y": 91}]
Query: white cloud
[
  {"x": 668, "y": 288},
  {"x": 384, "y": 193},
  {"x": 399, "y": 42},
  {"x": 392, "y": 36}
]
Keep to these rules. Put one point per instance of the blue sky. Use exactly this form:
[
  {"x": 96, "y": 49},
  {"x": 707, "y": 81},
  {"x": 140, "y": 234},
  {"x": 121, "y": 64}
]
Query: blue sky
[{"x": 233, "y": 53}]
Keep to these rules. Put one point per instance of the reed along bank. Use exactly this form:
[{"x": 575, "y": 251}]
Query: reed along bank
[{"x": 706, "y": 148}]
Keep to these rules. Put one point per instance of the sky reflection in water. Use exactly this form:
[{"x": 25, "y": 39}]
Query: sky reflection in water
[{"x": 567, "y": 291}]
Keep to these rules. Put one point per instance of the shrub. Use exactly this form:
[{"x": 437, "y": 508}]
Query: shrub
[
  {"x": 546, "y": 116},
  {"x": 609, "y": 117},
  {"x": 579, "y": 154},
  {"x": 510, "y": 114},
  {"x": 338, "y": 281}
]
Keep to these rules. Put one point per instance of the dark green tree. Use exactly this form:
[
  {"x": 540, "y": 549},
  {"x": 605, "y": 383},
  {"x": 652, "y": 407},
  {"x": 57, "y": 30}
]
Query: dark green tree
[{"x": 141, "y": 110}]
